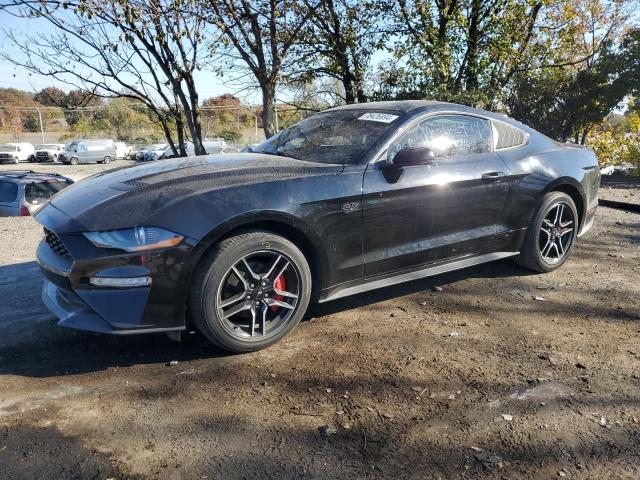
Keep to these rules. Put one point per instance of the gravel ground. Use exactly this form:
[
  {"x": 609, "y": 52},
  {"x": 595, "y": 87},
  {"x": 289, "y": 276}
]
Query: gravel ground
[
  {"x": 621, "y": 189},
  {"x": 496, "y": 373}
]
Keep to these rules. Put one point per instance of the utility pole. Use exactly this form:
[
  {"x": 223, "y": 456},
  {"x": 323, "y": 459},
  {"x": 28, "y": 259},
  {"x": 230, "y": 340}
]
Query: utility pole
[
  {"x": 255, "y": 121},
  {"x": 41, "y": 126}
]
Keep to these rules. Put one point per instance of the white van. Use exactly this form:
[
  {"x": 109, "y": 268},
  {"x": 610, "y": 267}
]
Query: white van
[
  {"x": 88, "y": 151},
  {"x": 46, "y": 152},
  {"x": 16, "y": 152},
  {"x": 122, "y": 149}
]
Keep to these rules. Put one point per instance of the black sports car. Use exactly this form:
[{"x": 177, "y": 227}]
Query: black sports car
[{"x": 351, "y": 199}]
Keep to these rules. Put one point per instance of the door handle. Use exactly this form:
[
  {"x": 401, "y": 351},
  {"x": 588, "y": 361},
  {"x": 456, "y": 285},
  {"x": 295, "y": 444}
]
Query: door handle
[{"x": 492, "y": 176}]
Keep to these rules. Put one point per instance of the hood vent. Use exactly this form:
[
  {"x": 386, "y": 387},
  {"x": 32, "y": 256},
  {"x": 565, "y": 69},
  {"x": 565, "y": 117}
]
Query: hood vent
[{"x": 128, "y": 185}]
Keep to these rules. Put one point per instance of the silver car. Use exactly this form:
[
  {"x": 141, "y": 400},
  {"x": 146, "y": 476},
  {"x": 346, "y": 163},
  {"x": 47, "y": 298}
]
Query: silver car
[{"x": 22, "y": 192}]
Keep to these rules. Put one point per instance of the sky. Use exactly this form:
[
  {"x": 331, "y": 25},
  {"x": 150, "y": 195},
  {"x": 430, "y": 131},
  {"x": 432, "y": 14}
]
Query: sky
[{"x": 208, "y": 84}]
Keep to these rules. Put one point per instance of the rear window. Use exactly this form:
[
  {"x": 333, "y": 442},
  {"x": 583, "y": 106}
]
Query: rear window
[
  {"x": 8, "y": 191},
  {"x": 37, "y": 193}
]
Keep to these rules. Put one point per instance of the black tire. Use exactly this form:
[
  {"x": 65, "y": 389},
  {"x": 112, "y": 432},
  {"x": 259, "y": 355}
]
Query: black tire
[
  {"x": 536, "y": 241},
  {"x": 214, "y": 274},
  {"x": 106, "y": 159},
  {"x": 73, "y": 161}
]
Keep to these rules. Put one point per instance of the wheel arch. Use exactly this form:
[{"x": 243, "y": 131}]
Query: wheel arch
[
  {"x": 279, "y": 223},
  {"x": 572, "y": 188}
]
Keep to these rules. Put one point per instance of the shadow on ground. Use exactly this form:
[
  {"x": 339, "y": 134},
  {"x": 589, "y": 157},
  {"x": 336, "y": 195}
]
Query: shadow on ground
[{"x": 33, "y": 345}]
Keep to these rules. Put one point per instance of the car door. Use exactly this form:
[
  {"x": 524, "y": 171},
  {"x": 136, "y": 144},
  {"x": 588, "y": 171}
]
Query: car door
[
  {"x": 421, "y": 214},
  {"x": 82, "y": 154}
]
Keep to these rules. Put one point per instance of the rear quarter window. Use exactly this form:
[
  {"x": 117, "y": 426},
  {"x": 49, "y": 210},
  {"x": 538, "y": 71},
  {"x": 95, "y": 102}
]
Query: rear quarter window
[
  {"x": 8, "y": 191},
  {"x": 508, "y": 136},
  {"x": 40, "y": 192}
]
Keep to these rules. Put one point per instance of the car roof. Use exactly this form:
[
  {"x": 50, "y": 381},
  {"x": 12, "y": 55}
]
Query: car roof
[
  {"x": 416, "y": 107},
  {"x": 403, "y": 106},
  {"x": 28, "y": 176}
]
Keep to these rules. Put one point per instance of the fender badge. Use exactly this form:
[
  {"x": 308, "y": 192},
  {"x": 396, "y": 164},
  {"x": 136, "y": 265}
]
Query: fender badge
[{"x": 350, "y": 207}]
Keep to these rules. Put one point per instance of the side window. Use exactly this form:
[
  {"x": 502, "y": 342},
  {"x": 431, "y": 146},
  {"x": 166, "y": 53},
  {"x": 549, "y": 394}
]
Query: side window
[
  {"x": 8, "y": 191},
  {"x": 448, "y": 136},
  {"x": 81, "y": 148}
]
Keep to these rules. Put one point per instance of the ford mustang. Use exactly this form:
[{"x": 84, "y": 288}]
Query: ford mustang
[{"x": 351, "y": 199}]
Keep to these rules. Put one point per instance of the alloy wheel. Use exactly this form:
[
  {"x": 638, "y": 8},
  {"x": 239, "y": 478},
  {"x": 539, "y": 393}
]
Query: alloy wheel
[
  {"x": 556, "y": 233},
  {"x": 258, "y": 295}
]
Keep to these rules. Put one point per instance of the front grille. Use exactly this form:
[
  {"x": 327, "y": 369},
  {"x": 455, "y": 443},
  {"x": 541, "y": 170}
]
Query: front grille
[
  {"x": 42, "y": 155},
  {"x": 55, "y": 243}
]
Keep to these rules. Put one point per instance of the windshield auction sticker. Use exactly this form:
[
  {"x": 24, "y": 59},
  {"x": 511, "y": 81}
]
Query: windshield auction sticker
[{"x": 378, "y": 117}]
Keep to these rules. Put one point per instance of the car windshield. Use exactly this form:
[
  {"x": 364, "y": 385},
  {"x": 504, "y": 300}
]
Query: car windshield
[
  {"x": 44, "y": 146},
  {"x": 7, "y": 148},
  {"x": 341, "y": 136},
  {"x": 37, "y": 193}
]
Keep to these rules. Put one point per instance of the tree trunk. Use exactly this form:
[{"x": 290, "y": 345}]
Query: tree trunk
[
  {"x": 347, "y": 84},
  {"x": 583, "y": 140},
  {"x": 166, "y": 129},
  {"x": 471, "y": 74},
  {"x": 268, "y": 117},
  {"x": 195, "y": 118},
  {"x": 182, "y": 151}
]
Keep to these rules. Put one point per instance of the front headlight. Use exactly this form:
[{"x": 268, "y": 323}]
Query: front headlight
[{"x": 136, "y": 239}]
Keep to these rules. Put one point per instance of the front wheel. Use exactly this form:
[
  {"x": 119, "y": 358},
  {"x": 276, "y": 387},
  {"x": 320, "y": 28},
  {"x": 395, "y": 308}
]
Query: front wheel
[
  {"x": 106, "y": 159},
  {"x": 551, "y": 234},
  {"x": 73, "y": 161},
  {"x": 250, "y": 291}
]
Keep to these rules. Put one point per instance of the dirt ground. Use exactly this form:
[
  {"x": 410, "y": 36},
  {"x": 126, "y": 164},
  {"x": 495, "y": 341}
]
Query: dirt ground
[
  {"x": 621, "y": 189},
  {"x": 490, "y": 372}
]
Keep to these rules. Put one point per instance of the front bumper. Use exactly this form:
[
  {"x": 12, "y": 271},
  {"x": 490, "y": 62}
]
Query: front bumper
[
  {"x": 73, "y": 312},
  {"x": 68, "y": 292}
]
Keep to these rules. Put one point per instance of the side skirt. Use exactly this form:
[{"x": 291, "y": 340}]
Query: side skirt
[{"x": 375, "y": 283}]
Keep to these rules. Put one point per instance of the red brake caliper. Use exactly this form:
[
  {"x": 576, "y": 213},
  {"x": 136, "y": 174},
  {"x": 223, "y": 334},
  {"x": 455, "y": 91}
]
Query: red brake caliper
[{"x": 279, "y": 285}]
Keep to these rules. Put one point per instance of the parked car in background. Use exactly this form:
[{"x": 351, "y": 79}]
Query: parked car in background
[
  {"x": 16, "y": 152},
  {"x": 608, "y": 170},
  {"x": 122, "y": 149},
  {"x": 158, "y": 153},
  {"x": 88, "y": 151},
  {"x": 222, "y": 150},
  {"x": 22, "y": 192},
  {"x": 351, "y": 199},
  {"x": 212, "y": 147},
  {"x": 141, "y": 156},
  {"x": 48, "y": 152}
]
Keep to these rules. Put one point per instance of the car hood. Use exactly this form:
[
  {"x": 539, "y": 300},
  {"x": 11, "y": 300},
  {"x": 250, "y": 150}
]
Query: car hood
[{"x": 127, "y": 196}]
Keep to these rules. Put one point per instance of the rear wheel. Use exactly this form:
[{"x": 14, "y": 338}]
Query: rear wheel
[
  {"x": 550, "y": 235},
  {"x": 250, "y": 291}
]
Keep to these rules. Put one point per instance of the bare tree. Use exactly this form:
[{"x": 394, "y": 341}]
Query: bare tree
[
  {"x": 259, "y": 35},
  {"x": 148, "y": 51}
]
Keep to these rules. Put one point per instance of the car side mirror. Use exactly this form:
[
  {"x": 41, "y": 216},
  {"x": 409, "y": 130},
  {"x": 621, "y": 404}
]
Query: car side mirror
[{"x": 409, "y": 156}]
